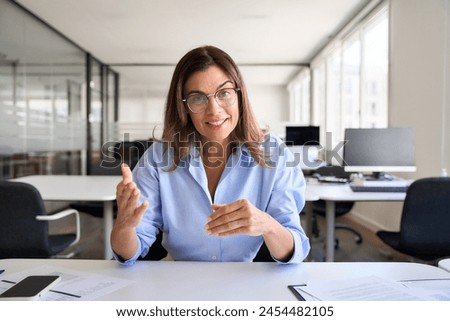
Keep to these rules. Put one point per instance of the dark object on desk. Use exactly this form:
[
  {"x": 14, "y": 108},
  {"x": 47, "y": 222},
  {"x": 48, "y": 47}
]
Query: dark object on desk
[
  {"x": 425, "y": 222},
  {"x": 128, "y": 152},
  {"x": 131, "y": 152},
  {"x": 95, "y": 208},
  {"x": 379, "y": 150},
  {"x": 24, "y": 231},
  {"x": 381, "y": 189},
  {"x": 342, "y": 208},
  {"x": 302, "y": 135},
  {"x": 295, "y": 291},
  {"x": 263, "y": 254},
  {"x": 156, "y": 252}
]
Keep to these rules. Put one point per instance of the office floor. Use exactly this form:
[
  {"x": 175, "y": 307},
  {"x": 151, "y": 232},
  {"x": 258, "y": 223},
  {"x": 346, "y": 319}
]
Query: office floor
[{"x": 370, "y": 250}]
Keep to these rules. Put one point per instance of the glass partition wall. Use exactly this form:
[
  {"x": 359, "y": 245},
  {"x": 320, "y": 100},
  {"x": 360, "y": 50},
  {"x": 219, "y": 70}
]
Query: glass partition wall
[{"x": 57, "y": 102}]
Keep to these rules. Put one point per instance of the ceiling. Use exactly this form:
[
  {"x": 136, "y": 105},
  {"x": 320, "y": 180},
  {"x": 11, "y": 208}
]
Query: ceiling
[{"x": 144, "y": 39}]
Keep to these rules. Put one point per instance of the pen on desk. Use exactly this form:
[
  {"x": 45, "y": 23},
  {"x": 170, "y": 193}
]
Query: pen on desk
[
  {"x": 1, "y": 271},
  {"x": 425, "y": 279},
  {"x": 65, "y": 293},
  {"x": 10, "y": 282}
]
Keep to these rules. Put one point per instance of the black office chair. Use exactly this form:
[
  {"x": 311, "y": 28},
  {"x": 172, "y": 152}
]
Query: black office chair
[
  {"x": 131, "y": 151},
  {"x": 156, "y": 252},
  {"x": 24, "y": 229},
  {"x": 425, "y": 222},
  {"x": 342, "y": 208},
  {"x": 127, "y": 152},
  {"x": 95, "y": 208},
  {"x": 263, "y": 254}
]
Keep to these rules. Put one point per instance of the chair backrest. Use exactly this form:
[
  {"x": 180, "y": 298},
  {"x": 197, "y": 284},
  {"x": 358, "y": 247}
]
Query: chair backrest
[
  {"x": 341, "y": 207},
  {"x": 332, "y": 170},
  {"x": 21, "y": 235},
  {"x": 131, "y": 151},
  {"x": 425, "y": 221}
]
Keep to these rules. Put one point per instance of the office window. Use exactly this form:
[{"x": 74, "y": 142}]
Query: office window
[
  {"x": 350, "y": 79},
  {"x": 43, "y": 112},
  {"x": 300, "y": 97},
  {"x": 305, "y": 99},
  {"x": 375, "y": 71},
  {"x": 333, "y": 95},
  {"x": 319, "y": 98},
  {"x": 38, "y": 132}
]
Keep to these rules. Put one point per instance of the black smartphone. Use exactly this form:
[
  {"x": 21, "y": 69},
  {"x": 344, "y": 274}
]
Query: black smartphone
[{"x": 30, "y": 288}]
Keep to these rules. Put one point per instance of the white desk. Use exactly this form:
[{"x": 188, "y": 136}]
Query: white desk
[
  {"x": 80, "y": 188},
  {"x": 205, "y": 281},
  {"x": 332, "y": 193},
  {"x": 89, "y": 188},
  {"x": 444, "y": 264}
]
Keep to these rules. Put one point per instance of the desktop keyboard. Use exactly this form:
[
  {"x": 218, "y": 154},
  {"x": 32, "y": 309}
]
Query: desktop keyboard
[
  {"x": 332, "y": 179},
  {"x": 385, "y": 189}
]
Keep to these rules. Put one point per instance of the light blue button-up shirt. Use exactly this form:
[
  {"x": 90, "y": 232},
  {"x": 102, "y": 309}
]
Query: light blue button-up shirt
[{"x": 180, "y": 202}]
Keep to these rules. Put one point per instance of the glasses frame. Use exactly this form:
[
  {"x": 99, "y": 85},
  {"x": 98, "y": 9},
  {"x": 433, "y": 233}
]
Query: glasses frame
[{"x": 185, "y": 100}]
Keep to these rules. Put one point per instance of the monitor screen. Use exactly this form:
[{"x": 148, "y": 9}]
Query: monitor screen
[
  {"x": 302, "y": 135},
  {"x": 379, "y": 150}
]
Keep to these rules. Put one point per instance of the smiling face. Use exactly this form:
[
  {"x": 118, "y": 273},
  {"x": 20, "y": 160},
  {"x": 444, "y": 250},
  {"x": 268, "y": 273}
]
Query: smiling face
[{"x": 215, "y": 123}]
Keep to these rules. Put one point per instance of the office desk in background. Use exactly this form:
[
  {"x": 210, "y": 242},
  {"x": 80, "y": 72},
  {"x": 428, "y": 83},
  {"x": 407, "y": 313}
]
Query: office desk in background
[
  {"x": 332, "y": 193},
  {"x": 80, "y": 188},
  {"x": 231, "y": 281},
  {"x": 88, "y": 188}
]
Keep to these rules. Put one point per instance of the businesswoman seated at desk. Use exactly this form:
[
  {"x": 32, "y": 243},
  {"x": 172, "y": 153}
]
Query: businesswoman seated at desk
[{"x": 216, "y": 185}]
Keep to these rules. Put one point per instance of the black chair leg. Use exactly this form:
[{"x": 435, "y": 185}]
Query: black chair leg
[
  {"x": 315, "y": 226},
  {"x": 358, "y": 237}
]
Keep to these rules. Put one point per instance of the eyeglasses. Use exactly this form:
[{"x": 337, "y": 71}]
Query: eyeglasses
[{"x": 198, "y": 102}]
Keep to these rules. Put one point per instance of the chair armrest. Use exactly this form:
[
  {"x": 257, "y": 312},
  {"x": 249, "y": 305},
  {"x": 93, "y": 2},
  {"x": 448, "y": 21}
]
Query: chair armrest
[{"x": 60, "y": 215}]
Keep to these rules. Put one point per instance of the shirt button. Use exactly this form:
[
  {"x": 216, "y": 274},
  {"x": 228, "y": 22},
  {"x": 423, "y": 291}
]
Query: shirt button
[{"x": 213, "y": 257}]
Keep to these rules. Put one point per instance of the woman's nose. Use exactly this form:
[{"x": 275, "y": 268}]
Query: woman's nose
[{"x": 212, "y": 107}]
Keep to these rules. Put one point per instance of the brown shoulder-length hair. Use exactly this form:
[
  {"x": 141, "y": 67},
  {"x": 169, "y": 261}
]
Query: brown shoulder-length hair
[{"x": 179, "y": 132}]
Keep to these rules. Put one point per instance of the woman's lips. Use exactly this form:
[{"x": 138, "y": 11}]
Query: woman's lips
[{"x": 216, "y": 123}]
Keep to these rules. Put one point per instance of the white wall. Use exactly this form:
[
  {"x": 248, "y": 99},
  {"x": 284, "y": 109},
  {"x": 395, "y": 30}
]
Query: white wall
[
  {"x": 418, "y": 93},
  {"x": 141, "y": 109},
  {"x": 270, "y": 105},
  {"x": 446, "y": 117},
  {"x": 138, "y": 116}
]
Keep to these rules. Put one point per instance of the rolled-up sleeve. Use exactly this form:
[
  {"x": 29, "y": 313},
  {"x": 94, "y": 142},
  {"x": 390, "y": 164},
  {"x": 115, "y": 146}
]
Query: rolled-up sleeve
[{"x": 287, "y": 201}]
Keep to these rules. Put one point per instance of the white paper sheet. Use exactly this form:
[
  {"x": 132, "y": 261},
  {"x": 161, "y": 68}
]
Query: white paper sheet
[
  {"x": 74, "y": 285},
  {"x": 435, "y": 289},
  {"x": 372, "y": 288}
]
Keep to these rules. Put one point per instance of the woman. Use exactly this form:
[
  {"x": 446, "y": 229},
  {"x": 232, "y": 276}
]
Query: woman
[{"x": 216, "y": 185}]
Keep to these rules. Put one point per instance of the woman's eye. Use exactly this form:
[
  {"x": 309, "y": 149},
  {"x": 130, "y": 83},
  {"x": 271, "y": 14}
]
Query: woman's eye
[
  {"x": 223, "y": 94},
  {"x": 197, "y": 99}
]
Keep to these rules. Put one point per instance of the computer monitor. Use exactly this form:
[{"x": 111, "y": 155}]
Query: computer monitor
[
  {"x": 379, "y": 150},
  {"x": 302, "y": 135}
]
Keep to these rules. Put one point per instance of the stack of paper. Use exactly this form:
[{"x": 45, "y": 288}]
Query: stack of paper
[
  {"x": 375, "y": 182},
  {"x": 374, "y": 288}
]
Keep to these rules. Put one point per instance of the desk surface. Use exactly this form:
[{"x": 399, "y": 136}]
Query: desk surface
[
  {"x": 169, "y": 280},
  {"x": 80, "y": 188},
  {"x": 444, "y": 264},
  {"x": 343, "y": 192},
  {"x": 88, "y": 188},
  {"x": 73, "y": 187},
  {"x": 332, "y": 193}
]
